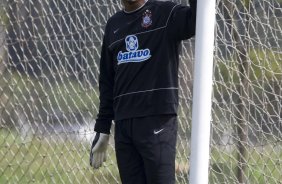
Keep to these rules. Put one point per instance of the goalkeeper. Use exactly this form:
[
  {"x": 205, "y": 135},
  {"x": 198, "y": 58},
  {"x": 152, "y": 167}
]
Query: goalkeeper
[{"x": 138, "y": 86}]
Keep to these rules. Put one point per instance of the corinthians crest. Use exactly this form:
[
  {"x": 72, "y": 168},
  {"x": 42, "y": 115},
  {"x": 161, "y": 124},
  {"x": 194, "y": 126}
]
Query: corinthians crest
[{"x": 147, "y": 19}]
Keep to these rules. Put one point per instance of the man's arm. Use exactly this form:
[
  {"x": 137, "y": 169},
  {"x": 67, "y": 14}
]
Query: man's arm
[
  {"x": 182, "y": 24},
  {"x": 106, "y": 112},
  {"x": 106, "y": 85}
]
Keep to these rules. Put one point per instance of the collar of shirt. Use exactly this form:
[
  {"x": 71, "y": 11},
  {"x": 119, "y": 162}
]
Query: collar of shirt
[{"x": 128, "y": 12}]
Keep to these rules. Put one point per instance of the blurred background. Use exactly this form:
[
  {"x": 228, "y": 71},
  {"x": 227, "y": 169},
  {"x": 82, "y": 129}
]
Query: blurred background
[{"x": 49, "y": 61}]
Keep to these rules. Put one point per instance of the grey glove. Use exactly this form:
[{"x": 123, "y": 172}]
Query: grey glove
[{"x": 98, "y": 150}]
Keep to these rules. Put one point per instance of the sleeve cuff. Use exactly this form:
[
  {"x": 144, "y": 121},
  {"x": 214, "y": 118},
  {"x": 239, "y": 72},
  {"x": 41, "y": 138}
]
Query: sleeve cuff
[{"x": 103, "y": 126}]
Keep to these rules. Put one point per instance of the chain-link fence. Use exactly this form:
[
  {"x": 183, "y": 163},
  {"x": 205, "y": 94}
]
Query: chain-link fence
[{"x": 49, "y": 58}]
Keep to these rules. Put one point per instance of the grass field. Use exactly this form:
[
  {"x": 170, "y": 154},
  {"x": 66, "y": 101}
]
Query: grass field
[
  {"x": 59, "y": 159},
  {"x": 263, "y": 166},
  {"x": 50, "y": 160}
]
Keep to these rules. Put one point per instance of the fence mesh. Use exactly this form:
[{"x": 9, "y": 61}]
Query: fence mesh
[{"x": 49, "y": 58}]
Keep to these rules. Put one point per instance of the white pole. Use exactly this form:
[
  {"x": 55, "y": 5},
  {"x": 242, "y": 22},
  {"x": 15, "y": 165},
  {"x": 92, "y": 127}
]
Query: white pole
[{"x": 202, "y": 91}]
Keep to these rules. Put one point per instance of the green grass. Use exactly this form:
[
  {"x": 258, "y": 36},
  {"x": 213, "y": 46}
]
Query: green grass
[
  {"x": 50, "y": 160},
  {"x": 63, "y": 160},
  {"x": 263, "y": 166}
]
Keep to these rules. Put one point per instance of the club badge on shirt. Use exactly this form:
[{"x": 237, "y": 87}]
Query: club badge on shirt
[{"x": 147, "y": 19}]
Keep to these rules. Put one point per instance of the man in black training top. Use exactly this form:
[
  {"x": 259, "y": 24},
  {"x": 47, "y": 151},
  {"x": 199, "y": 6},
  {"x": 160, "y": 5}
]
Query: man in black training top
[{"x": 139, "y": 88}]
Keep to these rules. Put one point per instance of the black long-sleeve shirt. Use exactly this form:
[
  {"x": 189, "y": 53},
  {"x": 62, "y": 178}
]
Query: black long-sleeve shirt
[{"x": 139, "y": 61}]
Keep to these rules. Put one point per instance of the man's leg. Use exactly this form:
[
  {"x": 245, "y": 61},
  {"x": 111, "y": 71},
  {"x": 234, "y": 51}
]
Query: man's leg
[
  {"x": 155, "y": 139},
  {"x": 130, "y": 163}
]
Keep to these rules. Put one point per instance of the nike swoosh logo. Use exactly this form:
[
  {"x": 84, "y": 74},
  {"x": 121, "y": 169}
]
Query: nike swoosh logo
[
  {"x": 158, "y": 131},
  {"x": 115, "y": 31}
]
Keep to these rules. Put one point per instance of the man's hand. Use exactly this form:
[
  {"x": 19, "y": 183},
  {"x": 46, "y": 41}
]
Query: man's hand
[{"x": 98, "y": 150}]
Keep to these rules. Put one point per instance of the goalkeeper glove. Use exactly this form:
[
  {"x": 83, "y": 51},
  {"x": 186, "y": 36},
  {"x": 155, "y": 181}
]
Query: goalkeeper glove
[{"x": 98, "y": 150}]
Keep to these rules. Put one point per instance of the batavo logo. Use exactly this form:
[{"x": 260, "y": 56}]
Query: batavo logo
[{"x": 133, "y": 55}]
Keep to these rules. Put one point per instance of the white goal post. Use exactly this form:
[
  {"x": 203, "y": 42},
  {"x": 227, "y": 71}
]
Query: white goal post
[{"x": 202, "y": 92}]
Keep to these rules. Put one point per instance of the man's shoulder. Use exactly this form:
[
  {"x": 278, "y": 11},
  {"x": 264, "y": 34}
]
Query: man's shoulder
[
  {"x": 164, "y": 6},
  {"x": 114, "y": 19},
  {"x": 118, "y": 15}
]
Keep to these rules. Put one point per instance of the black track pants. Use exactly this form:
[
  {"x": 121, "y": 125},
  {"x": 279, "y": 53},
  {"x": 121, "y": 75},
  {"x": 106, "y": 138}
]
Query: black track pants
[{"x": 145, "y": 149}]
